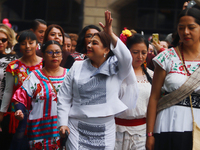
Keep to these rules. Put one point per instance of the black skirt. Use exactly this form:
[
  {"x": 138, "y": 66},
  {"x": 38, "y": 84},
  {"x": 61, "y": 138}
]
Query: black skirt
[{"x": 173, "y": 141}]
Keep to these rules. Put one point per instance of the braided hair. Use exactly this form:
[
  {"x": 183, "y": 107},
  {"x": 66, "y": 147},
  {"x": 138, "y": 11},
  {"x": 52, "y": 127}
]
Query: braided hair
[{"x": 135, "y": 39}]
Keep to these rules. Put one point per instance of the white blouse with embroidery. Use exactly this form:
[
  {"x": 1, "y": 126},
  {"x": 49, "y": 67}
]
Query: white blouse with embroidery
[
  {"x": 171, "y": 63},
  {"x": 176, "y": 118}
]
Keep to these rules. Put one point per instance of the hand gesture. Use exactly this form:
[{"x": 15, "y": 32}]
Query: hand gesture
[
  {"x": 157, "y": 45},
  {"x": 108, "y": 23},
  {"x": 62, "y": 131},
  {"x": 107, "y": 28},
  {"x": 19, "y": 115}
]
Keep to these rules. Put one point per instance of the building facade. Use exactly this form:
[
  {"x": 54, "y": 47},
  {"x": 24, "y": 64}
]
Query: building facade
[{"x": 149, "y": 16}]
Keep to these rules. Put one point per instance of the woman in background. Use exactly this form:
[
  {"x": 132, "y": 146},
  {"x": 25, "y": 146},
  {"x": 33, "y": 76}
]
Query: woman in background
[
  {"x": 67, "y": 46},
  {"x": 7, "y": 41},
  {"x": 84, "y": 38},
  {"x": 56, "y": 33},
  {"x": 131, "y": 124},
  {"x": 39, "y": 26}
]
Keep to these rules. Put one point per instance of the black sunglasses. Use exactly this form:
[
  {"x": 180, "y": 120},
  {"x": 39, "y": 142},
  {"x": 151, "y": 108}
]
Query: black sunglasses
[{"x": 3, "y": 40}]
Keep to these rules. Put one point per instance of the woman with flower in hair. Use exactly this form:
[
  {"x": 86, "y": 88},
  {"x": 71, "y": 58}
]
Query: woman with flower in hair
[{"x": 131, "y": 124}]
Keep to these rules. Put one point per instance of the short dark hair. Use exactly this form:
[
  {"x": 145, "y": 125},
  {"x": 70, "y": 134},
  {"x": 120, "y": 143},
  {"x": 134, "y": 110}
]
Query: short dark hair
[
  {"x": 81, "y": 47},
  {"x": 45, "y": 45},
  {"x": 66, "y": 35},
  {"x": 106, "y": 40},
  {"x": 49, "y": 29},
  {"x": 35, "y": 23},
  {"x": 27, "y": 34},
  {"x": 193, "y": 12}
]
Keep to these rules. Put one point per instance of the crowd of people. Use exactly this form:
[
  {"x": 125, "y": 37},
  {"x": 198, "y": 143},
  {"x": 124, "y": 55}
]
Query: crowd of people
[{"x": 96, "y": 90}]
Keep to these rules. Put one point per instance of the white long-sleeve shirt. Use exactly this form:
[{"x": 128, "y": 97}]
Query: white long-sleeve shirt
[{"x": 93, "y": 92}]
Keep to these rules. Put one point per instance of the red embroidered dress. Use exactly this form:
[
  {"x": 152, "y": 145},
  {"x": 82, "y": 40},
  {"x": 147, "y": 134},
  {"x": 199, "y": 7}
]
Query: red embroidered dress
[
  {"x": 38, "y": 96},
  {"x": 20, "y": 72}
]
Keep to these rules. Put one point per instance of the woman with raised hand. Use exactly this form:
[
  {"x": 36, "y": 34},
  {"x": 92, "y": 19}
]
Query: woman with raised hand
[
  {"x": 16, "y": 72},
  {"x": 38, "y": 94},
  {"x": 88, "y": 98},
  {"x": 169, "y": 119}
]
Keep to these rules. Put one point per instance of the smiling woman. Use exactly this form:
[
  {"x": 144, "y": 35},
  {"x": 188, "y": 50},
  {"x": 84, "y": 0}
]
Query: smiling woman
[
  {"x": 98, "y": 49},
  {"x": 56, "y": 33},
  {"x": 38, "y": 26},
  {"x": 16, "y": 72},
  {"x": 91, "y": 86}
]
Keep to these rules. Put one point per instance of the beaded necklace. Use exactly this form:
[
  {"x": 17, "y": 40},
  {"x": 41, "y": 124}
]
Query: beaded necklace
[{"x": 188, "y": 73}]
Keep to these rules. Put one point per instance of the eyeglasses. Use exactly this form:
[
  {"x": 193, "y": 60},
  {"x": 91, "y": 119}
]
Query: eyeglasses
[
  {"x": 51, "y": 53},
  {"x": 3, "y": 40}
]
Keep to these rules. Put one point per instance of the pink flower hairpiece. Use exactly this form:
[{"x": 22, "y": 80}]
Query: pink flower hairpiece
[{"x": 125, "y": 34}]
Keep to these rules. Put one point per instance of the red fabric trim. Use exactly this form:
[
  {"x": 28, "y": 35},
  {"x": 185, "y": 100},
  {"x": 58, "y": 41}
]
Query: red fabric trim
[
  {"x": 131, "y": 122},
  {"x": 162, "y": 49},
  {"x": 13, "y": 124}
]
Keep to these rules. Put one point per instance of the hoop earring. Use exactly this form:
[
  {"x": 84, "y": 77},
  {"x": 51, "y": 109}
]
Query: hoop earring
[
  {"x": 104, "y": 55},
  {"x": 8, "y": 50}
]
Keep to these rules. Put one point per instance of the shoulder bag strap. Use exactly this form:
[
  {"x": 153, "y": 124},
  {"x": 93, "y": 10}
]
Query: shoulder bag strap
[
  {"x": 181, "y": 93},
  {"x": 50, "y": 82}
]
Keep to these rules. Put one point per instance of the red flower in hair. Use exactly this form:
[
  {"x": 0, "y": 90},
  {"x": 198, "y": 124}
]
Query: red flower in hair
[
  {"x": 124, "y": 35},
  {"x": 123, "y": 38}
]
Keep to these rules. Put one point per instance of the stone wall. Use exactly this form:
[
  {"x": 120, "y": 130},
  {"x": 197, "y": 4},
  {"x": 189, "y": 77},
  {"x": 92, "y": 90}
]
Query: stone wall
[{"x": 94, "y": 13}]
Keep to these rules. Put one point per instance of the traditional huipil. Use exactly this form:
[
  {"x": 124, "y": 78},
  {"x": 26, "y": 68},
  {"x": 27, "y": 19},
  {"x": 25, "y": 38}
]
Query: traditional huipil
[
  {"x": 38, "y": 96},
  {"x": 88, "y": 100},
  {"x": 175, "y": 123},
  {"x": 131, "y": 124},
  {"x": 18, "y": 73}
]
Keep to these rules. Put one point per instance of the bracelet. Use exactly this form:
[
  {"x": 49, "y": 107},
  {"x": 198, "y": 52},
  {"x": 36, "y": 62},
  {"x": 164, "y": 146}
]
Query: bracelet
[{"x": 149, "y": 134}]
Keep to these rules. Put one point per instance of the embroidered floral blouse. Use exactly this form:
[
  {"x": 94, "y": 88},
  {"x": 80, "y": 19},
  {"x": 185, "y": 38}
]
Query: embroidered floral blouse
[{"x": 20, "y": 71}]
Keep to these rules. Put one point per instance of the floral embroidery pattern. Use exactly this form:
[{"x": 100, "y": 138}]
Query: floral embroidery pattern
[
  {"x": 37, "y": 89},
  {"x": 20, "y": 71},
  {"x": 176, "y": 65},
  {"x": 22, "y": 68},
  {"x": 54, "y": 145},
  {"x": 38, "y": 146}
]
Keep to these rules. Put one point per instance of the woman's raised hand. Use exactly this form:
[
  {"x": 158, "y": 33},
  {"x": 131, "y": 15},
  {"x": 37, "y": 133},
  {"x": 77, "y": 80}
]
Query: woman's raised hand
[
  {"x": 19, "y": 115},
  {"x": 108, "y": 27},
  {"x": 108, "y": 23}
]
